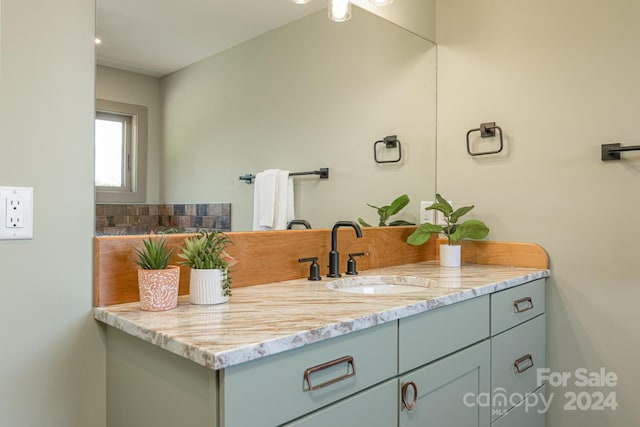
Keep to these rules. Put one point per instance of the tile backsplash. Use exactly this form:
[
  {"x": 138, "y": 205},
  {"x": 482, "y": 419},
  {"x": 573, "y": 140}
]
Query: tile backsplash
[{"x": 122, "y": 219}]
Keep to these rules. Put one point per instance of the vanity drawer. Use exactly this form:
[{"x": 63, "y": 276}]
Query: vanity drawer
[
  {"x": 375, "y": 407},
  {"x": 516, "y": 305},
  {"x": 429, "y": 336},
  {"x": 528, "y": 413},
  {"x": 279, "y": 388},
  {"x": 516, "y": 356}
]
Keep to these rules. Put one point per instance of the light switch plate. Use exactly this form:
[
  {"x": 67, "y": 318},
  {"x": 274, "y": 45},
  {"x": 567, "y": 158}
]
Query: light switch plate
[{"x": 16, "y": 213}]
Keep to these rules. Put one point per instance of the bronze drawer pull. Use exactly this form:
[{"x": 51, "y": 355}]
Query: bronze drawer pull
[
  {"x": 345, "y": 359},
  {"x": 412, "y": 404},
  {"x": 516, "y": 364},
  {"x": 516, "y": 305}
]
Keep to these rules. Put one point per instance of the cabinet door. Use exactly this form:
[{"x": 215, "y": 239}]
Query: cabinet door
[
  {"x": 376, "y": 407},
  {"x": 447, "y": 391}
]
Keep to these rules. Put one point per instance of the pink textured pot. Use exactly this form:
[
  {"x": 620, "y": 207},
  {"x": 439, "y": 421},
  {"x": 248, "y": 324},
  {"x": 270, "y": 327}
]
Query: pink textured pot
[{"x": 159, "y": 288}]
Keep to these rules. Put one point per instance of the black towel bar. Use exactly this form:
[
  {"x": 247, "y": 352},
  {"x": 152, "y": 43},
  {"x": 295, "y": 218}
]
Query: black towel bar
[
  {"x": 612, "y": 151},
  {"x": 323, "y": 172}
]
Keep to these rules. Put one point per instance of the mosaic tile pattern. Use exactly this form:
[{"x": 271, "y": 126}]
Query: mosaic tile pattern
[{"x": 125, "y": 219}]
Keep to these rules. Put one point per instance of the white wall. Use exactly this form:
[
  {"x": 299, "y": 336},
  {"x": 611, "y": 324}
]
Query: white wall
[
  {"x": 52, "y": 370},
  {"x": 137, "y": 89},
  {"x": 308, "y": 95},
  {"x": 561, "y": 78}
]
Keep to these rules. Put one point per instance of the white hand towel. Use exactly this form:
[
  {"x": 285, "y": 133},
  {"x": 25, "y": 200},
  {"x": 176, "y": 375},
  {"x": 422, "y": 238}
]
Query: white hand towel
[
  {"x": 264, "y": 200},
  {"x": 284, "y": 200},
  {"x": 273, "y": 201}
]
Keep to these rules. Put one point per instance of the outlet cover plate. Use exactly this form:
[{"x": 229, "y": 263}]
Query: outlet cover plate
[
  {"x": 25, "y": 196},
  {"x": 427, "y": 215}
]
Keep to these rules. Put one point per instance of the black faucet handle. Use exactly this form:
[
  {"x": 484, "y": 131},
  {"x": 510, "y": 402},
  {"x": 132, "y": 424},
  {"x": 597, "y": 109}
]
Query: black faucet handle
[
  {"x": 351, "y": 264},
  {"x": 314, "y": 268}
]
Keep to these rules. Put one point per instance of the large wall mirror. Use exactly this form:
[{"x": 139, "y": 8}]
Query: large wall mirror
[{"x": 302, "y": 93}]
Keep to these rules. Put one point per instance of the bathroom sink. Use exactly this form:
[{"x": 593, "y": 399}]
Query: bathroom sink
[{"x": 380, "y": 285}]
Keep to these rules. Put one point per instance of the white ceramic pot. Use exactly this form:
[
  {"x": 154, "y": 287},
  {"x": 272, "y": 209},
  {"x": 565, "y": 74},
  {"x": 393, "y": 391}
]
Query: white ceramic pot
[
  {"x": 205, "y": 287},
  {"x": 450, "y": 255}
]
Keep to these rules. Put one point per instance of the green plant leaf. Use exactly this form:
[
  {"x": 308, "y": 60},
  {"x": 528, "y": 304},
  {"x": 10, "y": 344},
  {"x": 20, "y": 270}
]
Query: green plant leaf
[
  {"x": 399, "y": 222},
  {"x": 154, "y": 255},
  {"x": 470, "y": 229},
  {"x": 363, "y": 222},
  {"x": 460, "y": 212},
  {"x": 398, "y": 204},
  {"x": 423, "y": 233},
  {"x": 438, "y": 207},
  {"x": 442, "y": 201}
]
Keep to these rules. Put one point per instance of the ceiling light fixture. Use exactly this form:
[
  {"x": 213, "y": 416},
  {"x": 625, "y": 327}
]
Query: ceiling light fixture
[{"x": 339, "y": 10}]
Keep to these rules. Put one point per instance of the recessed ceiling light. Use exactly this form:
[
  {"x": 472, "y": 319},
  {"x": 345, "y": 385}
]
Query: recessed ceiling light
[{"x": 98, "y": 40}]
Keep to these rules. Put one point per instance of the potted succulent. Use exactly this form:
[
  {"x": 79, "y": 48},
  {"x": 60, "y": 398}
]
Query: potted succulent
[
  {"x": 206, "y": 254},
  {"x": 385, "y": 212},
  {"x": 158, "y": 281},
  {"x": 469, "y": 229}
]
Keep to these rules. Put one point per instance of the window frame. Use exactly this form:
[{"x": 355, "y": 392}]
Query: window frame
[{"x": 135, "y": 187}]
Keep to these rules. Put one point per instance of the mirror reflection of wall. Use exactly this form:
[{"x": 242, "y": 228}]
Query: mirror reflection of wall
[{"x": 307, "y": 95}]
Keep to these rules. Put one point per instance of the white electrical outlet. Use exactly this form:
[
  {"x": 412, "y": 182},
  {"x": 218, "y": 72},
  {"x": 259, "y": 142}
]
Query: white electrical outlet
[
  {"x": 16, "y": 213},
  {"x": 426, "y": 215}
]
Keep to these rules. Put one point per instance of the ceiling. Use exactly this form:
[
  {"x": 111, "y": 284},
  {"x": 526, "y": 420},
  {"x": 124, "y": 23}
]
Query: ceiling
[{"x": 157, "y": 37}]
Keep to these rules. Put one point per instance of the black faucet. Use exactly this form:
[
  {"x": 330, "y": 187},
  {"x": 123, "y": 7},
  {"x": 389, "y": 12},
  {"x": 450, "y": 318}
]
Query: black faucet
[
  {"x": 334, "y": 256},
  {"x": 302, "y": 222}
]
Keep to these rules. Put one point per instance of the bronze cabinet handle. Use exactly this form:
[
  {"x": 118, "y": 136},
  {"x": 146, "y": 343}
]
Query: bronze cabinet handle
[
  {"x": 405, "y": 387},
  {"x": 351, "y": 371},
  {"x": 518, "y": 303},
  {"x": 517, "y": 364}
]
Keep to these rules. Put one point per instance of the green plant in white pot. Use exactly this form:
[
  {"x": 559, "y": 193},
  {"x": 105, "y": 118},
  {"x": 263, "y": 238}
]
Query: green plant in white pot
[
  {"x": 205, "y": 253},
  {"x": 158, "y": 282},
  {"x": 469, "y": 229}
]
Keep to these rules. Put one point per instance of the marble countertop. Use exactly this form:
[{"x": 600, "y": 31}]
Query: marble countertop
[{"x": 267, "y": 319}]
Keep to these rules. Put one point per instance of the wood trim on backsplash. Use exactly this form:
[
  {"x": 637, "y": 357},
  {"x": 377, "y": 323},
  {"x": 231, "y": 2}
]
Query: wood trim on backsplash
[
  {"x": 263, "y": 257},
  {"x": 513, "y": 254},
  {"x": 272, "y": 256}
]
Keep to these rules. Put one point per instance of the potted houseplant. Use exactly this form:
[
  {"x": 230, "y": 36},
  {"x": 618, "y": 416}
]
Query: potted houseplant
[
  {"x": 206, "y": 254},
  {"x": 469, "y": 229},
  {"x": 158, "y": 281},
  {"x": 385, "y": 212}
]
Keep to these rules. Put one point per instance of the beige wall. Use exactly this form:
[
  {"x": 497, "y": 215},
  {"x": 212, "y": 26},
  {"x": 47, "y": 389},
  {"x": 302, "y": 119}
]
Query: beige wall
[
  {"x": 137, "y": 89},
  {"x": 52, "y": 370},
  {"x": 561, "y": 78},
  {"x": 311, "y": 94},
  {"x": 417, "y": 16}
]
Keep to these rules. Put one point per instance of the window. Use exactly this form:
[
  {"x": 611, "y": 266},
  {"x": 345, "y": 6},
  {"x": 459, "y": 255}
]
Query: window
[{"x": 120, "y": 152}]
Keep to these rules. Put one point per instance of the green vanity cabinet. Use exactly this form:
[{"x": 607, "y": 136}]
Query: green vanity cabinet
[
  {"x": 276, "y": 389},
  {"x": 518, "y": 325},
  {"x": 530, "y": 412},
  {"x": 436, "y": 368},
  {"x": 375, "y": 407},
  {"x": 444, "y": 393},
  {"x": 451, "y": 371}
]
